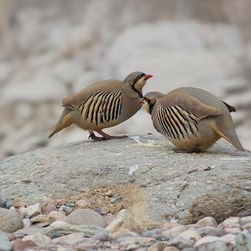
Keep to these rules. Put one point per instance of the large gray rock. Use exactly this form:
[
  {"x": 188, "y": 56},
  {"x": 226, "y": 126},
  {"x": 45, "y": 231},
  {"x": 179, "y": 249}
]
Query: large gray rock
[{"x": 171, "y": 184}]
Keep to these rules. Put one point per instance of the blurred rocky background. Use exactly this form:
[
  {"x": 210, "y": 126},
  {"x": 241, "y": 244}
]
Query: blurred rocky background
[{"x": 52, "y": 48}]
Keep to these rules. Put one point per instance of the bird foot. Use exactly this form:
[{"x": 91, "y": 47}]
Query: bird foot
[
  {"x": 95, "y": 138},
  {"x": 105, "y": 136}
]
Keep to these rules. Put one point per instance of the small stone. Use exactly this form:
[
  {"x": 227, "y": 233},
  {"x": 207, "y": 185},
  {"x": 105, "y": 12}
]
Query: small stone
[
  {"x": 18, "y": 244},
  {"x": 229, "y": 238},
  {"x": 27, "y": 222},
  {"x": 243, "y": 241},
  {"x": 56, "y": 216},
  {"x": 5, "y": 244},
  {"x": 85, "y": 216},
  {"x": 8, "y": 203},
  {"x": 88, "y": 244},
  {"x": 102, "y": 210},
  {"x": 33, "y": 210},
  {"x": 12, "y": 208},
  {"x": 171, "y": 249},
  {"x": 109, "y": 218},
  {"x": 189, "y": 249},
  {"x": 39, "y": 239},
  {"x": 61, "y": 202},
  {"x": 216, "y": 246},
  {"x": 82, "y": 204},
  {"x": 207, "y": 222},
  {"x": 180, "y": 242},
  {"x": 10, "y": 221},
  {"x": 69, "y": 239},
  {"x": 2, "y": 202},
  {"x": 230, "y": 222},
  {"x": 210, "y": 231},
  {"x": 27, "y": 231},
  {"x": 158, "y": 246},
  {"x": 140, "y": 241},
  {"x": 22, "y": 210},
  {"x": 109, "y": 193},
  {"x": 102, "y": 236},
  {"x": 231, "y": 225},
  {"x": 41, "y": 218},
  {"x": 232, "y": 230},
  {"x": 172, "y": 232},
  {"x": 153, "y": 232},
  {"x": 207, "y": 239},
  {"x": 66, "y": 209},
  {"x": 246, "y": 226},
  {"x": 191, "y": 235},
  {"x": 124, "y": 220},
  {"x": 59, "y": 228},
  {"x": 245, "y": 220},
  {"x": 48, "y": 206},
  {"x": 69, "y": 204},
  {"x": 116, "y": 198},
  {"x": 170, "y": 224}
]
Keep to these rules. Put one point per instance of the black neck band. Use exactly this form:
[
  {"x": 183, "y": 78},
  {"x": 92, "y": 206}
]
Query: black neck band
[{"x": 137, "y": 91}]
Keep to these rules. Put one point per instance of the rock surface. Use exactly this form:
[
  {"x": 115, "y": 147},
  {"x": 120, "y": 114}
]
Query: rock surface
[
  {"x": 141, "y": 173},
  {"x": 203, "y": 44}
]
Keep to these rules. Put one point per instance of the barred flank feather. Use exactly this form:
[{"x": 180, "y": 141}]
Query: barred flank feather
[
  {"x": 176, "y": 122},
  {"x": 102, "y": 107}
]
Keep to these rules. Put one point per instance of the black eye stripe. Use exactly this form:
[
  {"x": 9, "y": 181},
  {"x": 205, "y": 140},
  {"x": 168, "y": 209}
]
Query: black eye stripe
[{"x": 138, "y": 78}]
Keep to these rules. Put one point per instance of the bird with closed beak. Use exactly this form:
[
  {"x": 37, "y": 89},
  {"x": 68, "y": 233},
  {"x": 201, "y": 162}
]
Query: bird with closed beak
[
  {"x": 191, "y": 118},
  {"x": 103, "y": 104}
]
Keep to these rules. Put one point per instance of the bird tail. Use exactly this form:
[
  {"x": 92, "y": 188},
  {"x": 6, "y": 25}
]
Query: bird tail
[
  {"x": 64, "y": 121},
  {"x": 229, "y": 135},
  {"x": 229, "y": 107}
]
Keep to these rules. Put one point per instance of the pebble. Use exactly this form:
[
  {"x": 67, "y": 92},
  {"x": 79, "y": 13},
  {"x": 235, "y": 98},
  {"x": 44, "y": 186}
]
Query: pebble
[
  {"x": 243, "y": 241},
  {"x": 56, "y": 216},
  {"x": 10, "y": 220},
  {"x": 48, "y": 206},
  {"x": 33, "y": 210},
  {"x": 207, "y": 222},
  {"x": 85, "y": 229},
  {"x": 180, "y": 242},
  {"x": 60, "y": 228},
  {"x": 172, "y": 232},
  {"x": 85, "y": 216},
  {"x": 124, "y": 220},
  {"x": 66, "y": 209},
  {"x": 207, "y": 239},
  {"x": 18, "y": 245},
  {"x": 39, "y": 239},
  {"x": 8, "y": 203},
  {"x": 5, "y": 244},
  {"x": 191, "y": 235},
  {"x": 82, "y": 204},
  {"x": 2, "y": 202}
]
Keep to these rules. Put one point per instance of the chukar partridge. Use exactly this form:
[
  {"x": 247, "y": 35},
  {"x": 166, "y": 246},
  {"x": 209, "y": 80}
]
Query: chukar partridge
[
  {"x": 103, "y": 104},
  {"x": 191, "y": 118}
]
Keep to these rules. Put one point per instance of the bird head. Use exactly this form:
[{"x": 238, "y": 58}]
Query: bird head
[
  {"x": 137, "y": 80},
  {"x": 150, "y": 100}
]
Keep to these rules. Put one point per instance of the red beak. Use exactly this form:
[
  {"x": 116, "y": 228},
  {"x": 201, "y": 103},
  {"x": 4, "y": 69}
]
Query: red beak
[
  {"x": 147, "y": 76},
  {"x": 142, "y": 101}
]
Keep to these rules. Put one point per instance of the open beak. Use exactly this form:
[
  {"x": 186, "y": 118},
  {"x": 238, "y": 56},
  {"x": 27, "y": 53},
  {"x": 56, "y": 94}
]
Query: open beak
[{"x": 142, "y": 101}]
